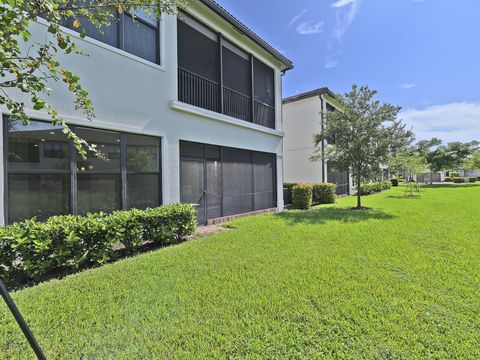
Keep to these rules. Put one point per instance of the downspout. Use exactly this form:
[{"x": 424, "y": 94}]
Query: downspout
[{"x": 322, "y": 105}]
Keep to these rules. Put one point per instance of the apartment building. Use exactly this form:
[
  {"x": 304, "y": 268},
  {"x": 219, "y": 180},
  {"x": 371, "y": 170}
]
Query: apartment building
[{"x": 188, "y": 109}]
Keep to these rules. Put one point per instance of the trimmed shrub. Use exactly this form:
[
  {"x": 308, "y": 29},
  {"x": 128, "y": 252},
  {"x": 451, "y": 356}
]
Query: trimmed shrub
[
  {"x": 324, "y": 193},
  {"x": 32, "y": 249},
  {"x": 169, "y": 223},
  {"x": 458, "y": 180},
  {"x": 448, "y": 179},
  {"x": 302, "y": 195},
  {"x": 472, "y": 179},
  {"x": 394, "y": 182},
  {"x": 289, "y": 187},
  {"x": 478, "y": 178},
  {"x": 375, "y": 187}
]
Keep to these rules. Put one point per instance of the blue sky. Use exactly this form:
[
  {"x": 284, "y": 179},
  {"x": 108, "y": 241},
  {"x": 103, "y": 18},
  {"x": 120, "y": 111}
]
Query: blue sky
[{"x": 423, "y": 55}]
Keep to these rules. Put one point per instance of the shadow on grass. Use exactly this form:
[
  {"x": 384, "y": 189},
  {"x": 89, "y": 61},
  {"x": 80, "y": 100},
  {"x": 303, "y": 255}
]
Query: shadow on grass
[{"x": 324, "y": 215}]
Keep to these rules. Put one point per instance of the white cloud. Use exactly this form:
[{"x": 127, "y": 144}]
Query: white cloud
[
  {"x": 345, "y": 19},
  {"x": 330, "y": 63},
  {"x": 407, "y": 86},
  {"x": 345, "y": 13},
  {"x": 310, "y": 27},
  {"x": 449, "y": 122},
  {"x": 297, "y": 17},
  {"x": 341, "y": 3}
]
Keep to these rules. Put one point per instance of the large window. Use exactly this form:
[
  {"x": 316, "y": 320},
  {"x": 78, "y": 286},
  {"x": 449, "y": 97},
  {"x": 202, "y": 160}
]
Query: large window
[
  {"x": 225, "y": 181},
  {"x": 46, "y": 176},
  {"x": 216, "y": 75},
  {"x": 137, "y": 34}
]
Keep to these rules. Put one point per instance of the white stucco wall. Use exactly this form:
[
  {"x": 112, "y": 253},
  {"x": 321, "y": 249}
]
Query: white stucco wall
[
  {"x": 301, "y": 119},
  {"x": 133, "y": 95}
]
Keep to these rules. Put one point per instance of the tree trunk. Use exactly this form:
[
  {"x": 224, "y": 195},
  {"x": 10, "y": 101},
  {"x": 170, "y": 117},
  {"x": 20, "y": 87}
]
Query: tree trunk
[{"x": 359, "y": 196}]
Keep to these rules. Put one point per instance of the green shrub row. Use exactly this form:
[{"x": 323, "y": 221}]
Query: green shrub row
[
  {"x": 32, "y": 249},
  {"x": 304, "y": 195},
  {"x": 375, "y": 187},
  {"x": 394, "y": 182},
  {"x": 460, "y": 180}
]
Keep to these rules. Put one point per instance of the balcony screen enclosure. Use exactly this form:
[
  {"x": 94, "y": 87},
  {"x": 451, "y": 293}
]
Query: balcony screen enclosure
[
  {"x": 226, "y": 181},
  {"x": 216, "y": 75},
  {"x": 46, "y": 176}
]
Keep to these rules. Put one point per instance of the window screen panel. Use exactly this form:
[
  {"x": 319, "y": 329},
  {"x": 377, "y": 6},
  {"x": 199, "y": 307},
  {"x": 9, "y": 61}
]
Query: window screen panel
[
  {"x": 36, "y": 147},
  {"x": 143, "y": 153},
  {"x": 197, "y": 53},
  {"x": 142, "y": 191},
  {"x": 107, "y": 143},
  {"x": 263, "y": 83},
  {"x": 237, "y": 181},
  {"x": 107, "y": 35},
  {"x": 237, "y": 83},
  {"x": 192, "y": 149},
  {"x": 140, "y": 39},
  {"x": 264, "y": 180},
  {"x": 98, "y": 193},
  {"x": 40, "y": 195}
]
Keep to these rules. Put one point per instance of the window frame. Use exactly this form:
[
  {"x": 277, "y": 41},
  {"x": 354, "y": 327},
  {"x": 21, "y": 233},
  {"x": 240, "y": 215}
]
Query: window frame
[
  {"x": 120, "y": 19},
  {"x": 72, "y": 172}
]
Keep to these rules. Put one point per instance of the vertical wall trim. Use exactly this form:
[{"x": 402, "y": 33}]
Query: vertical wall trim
[
  {"x": 73, "y": 195},
  {"x": 252, "y": 77},
  {"x": 220, "y": 56},
  {"x": 123, "y": 169}
]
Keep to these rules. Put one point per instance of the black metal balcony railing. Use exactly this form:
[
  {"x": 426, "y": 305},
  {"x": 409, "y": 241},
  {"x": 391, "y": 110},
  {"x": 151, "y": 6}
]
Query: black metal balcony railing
[
  {"x": 205, "y": 93},
  {"x": 236, "y": 104},
  {"x": 198, "y": 91}
]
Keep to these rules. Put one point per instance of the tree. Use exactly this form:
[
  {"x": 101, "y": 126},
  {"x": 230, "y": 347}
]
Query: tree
[
  {"x": 28, "y": 67},
  {"x": 409, "y": 163},
  {"x": 451, "y": 156},
  {"x": 363, "y": 136},
  {"x": 473, "y": 163}
]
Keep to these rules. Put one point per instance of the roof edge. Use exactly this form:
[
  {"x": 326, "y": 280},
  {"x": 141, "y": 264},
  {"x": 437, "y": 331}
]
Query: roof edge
[
  {"x": 219, "y": 10},
  {"x": 309, "y": 94}
]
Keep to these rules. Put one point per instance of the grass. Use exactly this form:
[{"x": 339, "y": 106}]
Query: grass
[{"x": 399, "y": 281}]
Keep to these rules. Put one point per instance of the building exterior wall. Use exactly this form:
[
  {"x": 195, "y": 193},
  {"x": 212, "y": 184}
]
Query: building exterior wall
[
  {"x": 301, "y": 119},
  {"x": 133, "y": 95}
]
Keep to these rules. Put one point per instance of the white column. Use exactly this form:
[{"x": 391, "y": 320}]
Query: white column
[{"x": 170, "y": 170}]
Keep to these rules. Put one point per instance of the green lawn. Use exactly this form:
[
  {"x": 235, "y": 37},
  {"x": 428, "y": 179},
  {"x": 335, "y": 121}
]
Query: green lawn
[{"x": 399, "y": 281}]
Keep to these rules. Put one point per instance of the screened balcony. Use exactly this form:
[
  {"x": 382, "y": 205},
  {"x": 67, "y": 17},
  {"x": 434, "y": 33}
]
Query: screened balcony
[{"x": 216, "y": 75}]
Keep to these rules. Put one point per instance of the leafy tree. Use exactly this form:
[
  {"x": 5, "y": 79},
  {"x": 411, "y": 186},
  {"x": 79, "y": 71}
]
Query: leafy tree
[
  {"x": 366, "y": 134},
  {"x": 408, "y": 163},
  {"x": 29, "y": 67},
  {"x": 473, "y": 163},
  {"x": 451, "y": 156}
]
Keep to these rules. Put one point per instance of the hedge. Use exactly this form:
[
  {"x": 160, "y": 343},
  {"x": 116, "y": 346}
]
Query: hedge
[
  {"x": 289, "y": 187},
  {"x": 324, "y": 193},
  {"x": 375, "y": 187},
  {"x": 302, "y": 196},
  {"x": 472, "y": 179},
  {"x": 448, "y": 179},
  {"x": 32, "y": 249},
  {"x": 394, "y": 182},
  {"x": 458, "y": 180}
]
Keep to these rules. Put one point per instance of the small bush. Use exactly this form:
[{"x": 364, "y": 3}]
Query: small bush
[
  {"x": 472, "y": 179},
  {"x": 448, "y": 179},
  {"x": 32, "y": 249},
  {"x": 394, "y": 182},
  {"x": 302, "y": 195},
  {"x": 458, "y": 180},
  {"x": 478, "y": 178},
  {"x": 375, "y": 187},
  {"x": 324, "y": 193},
  {"x": 289, "y": 187}
]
